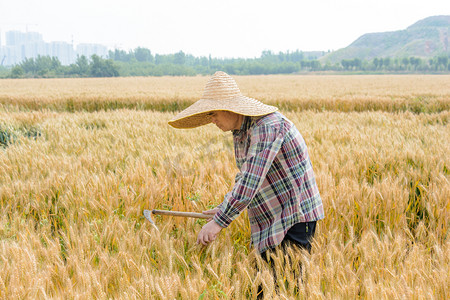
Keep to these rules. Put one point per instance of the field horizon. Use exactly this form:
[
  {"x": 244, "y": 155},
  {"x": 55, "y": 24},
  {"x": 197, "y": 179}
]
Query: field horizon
[{"x": 391, "y": 93}]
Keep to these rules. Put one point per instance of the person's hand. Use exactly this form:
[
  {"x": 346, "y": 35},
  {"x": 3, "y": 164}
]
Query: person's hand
[
  {"x": 211, "y": 212},
  {"x": 208, "y": 233}
]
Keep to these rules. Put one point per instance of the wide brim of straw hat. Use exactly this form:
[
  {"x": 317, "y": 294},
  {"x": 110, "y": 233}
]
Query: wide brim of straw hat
[
  {"x": 197, "y": 114},
  {"x": 221, "y": 94}
]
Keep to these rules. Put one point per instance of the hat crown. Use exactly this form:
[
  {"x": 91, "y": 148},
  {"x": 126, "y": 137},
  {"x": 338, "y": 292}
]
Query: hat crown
[{"x": 221, "y": 86}]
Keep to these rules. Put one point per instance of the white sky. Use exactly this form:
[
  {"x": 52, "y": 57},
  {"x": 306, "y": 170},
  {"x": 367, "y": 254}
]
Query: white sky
[{"x": 226, "y": 28}]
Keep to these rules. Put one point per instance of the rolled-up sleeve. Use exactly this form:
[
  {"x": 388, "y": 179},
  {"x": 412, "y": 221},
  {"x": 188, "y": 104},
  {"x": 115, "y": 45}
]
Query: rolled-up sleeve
[{"x": 265, "y": 143}]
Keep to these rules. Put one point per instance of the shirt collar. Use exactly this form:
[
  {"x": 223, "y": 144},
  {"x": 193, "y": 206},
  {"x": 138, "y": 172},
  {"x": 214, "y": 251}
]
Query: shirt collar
[{"x": 246, "y": 123}]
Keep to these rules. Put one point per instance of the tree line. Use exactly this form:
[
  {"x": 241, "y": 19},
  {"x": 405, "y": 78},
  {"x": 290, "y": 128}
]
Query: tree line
[
  {"x": 142, "y": 62},
  {"x": 408, "y": 64},
  {"x": 49, "y": 67}
]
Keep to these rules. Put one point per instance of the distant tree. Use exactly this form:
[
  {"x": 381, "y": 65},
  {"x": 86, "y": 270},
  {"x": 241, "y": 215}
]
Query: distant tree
[
  {"x": 442, "y": 62},
  {"x": 80, "y": 68},
  {"x": 17, "y": 72},
  {"x": 256, "y": 68},
  {"x": 351, "y": 64},
  {"x": 159, "y": 59},
  {"x": 414, "y": 62},
  {"x": 315, "y": 65},
  {"x": 268, "y": 56},
  {"x": 143, "y": 54},
  {"x": 42, "y": 66},
  {"x": 120, "y": 55},
  {"x": 308, "y": 65},
  {"x": 405, "y": 63},
  {"x": 357, "y": 63},
  {"x": 179, "y": 58},
  {"x": 83, "y": 65},
  {"x": 346, "y": 64},
  {"x": 28, "y": 65},
  {"x": 376, "y": 63},
  {"x": 4, "y": 72},
  {"x": 204, "y": 61},
  {"x": 286, "y": 68},
  {"x": 387, "y": 62},
  {"x": 102, "y": 67},
  {"x": 230, "y": 69},
  {"x": 266, "y": 53},
  {"x": 296, "y": 56}
]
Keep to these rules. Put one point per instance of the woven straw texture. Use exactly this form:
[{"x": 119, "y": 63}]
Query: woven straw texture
[{"x": 221, "y": 93}]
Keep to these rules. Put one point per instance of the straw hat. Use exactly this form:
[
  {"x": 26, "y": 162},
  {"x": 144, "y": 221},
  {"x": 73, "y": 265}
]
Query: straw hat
[{"x": 221, "y": 93}]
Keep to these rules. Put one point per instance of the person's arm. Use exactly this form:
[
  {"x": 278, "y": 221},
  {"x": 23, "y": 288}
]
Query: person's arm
[{"x": 265, "y": 142}]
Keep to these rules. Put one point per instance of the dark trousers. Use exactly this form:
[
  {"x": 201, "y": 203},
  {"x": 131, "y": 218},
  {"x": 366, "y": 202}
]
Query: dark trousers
[{"x": 299, "y": 235}]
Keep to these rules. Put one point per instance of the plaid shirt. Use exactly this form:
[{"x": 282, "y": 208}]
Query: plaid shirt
[{"x": 276, "y": 181}]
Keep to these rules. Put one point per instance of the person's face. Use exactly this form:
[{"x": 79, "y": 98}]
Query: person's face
[{"x": 226, "y": 120}]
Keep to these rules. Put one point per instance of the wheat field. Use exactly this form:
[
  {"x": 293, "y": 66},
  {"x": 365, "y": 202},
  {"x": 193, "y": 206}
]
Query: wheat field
[
  {"x": 391, "y": 93},
  {"x": 74, "y": 180}
]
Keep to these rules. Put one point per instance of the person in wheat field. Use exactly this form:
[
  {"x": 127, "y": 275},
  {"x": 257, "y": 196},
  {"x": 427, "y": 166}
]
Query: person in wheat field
[{"x": 276, "y": 182}]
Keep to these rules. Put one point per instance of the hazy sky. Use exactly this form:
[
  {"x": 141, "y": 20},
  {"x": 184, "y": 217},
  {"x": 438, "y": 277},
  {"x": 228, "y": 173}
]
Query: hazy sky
[{"x": 227, "y": 28}]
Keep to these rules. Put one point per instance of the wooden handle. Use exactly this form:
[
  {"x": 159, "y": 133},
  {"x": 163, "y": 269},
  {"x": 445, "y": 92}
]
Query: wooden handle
[{"x": 181, "y": 214}]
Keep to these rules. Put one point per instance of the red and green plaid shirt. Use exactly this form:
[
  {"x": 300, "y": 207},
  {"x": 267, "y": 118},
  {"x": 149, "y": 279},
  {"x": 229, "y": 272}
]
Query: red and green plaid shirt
[{"x": 276, "y": 181}]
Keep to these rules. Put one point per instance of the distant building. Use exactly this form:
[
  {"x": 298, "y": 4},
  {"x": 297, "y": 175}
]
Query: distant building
[
  {"x": 33, "y": 49},
  {"x": 17, "y": 38},
  {"x": 22, "y": 45},
  {"x": 63, "y": 51},
  {"x": 9, "y": 55}
]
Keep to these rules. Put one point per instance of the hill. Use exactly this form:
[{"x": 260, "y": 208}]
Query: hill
[{"x": 426, "y": 38}]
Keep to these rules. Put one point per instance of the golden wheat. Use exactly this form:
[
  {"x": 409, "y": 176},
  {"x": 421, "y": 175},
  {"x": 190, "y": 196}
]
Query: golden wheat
[
  {"x": 73, "y": 187},
  {"x": 417, "y": 93}
]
